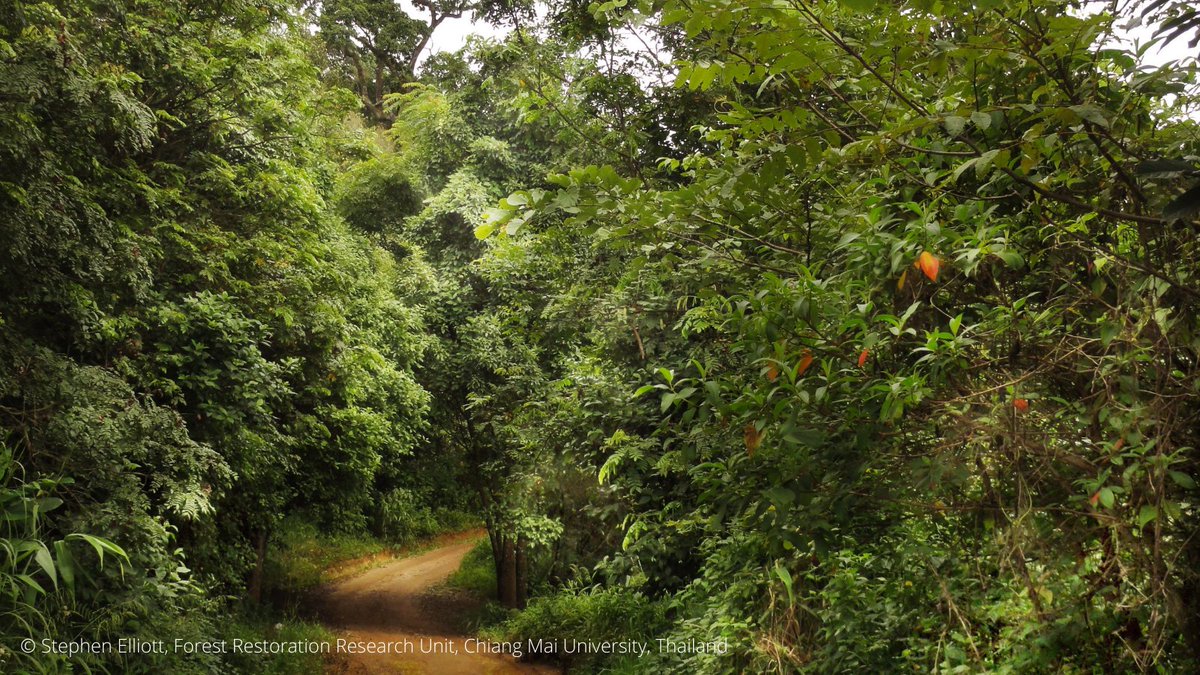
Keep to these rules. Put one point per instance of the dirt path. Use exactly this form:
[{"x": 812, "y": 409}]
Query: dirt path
[{"x": 395, "y": 609}]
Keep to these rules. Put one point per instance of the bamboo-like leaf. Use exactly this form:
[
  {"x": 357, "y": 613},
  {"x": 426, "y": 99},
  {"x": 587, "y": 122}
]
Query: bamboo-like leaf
[
  {"x": 66, "y": 564},
  {"x": 44, "y": 560}
]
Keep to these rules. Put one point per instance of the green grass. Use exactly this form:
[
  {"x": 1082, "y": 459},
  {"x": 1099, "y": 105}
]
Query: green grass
[{"x": 477, "y": 573}]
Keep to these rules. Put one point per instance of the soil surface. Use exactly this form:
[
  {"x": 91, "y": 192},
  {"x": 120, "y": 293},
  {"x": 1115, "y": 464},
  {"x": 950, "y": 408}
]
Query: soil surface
[{"x": 403, "y": 609}]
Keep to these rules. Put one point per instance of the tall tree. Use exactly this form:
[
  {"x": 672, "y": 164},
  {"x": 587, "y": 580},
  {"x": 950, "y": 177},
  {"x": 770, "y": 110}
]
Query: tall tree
[{"x": 373, "y": 46}]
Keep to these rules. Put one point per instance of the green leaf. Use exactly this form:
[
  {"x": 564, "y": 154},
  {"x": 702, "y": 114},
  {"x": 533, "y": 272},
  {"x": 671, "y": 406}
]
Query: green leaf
[
  {"x": 498, "y": 215},
  {"x": 668, "y": 400},
  {"x": 981, "y": 120},
  {"x": 1091, "y": 113},
  {"x": 788, "y": 583},
  {"x": 1011, "y": 258},
  {"x": 985, "y": 162},
  {"x": 100, "y": 546},
  {"x": 955, "y": 124},
  {"x": 32, "y": 583},
  {"x": 1146, "y": 514},
  {"x": 1163, "y": 167},
  {"x": 1107, "y": 498},
  {"x": 46, "y": 562},
  {"x": 1182, "y": 480},
  {"x": 514, "y": 226},
  {"x": 1109, "y": 330},
  {"x": 958, "y": 172},
  {"x": 780, "y": 496},
  {"x": 66, "y": 564}
]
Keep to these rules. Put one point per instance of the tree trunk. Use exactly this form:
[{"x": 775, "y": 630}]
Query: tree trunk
[
  {"x": 260, "y": 559},
  {"x": 522, "y": 574},
  {"x": 506, "y": 575}
]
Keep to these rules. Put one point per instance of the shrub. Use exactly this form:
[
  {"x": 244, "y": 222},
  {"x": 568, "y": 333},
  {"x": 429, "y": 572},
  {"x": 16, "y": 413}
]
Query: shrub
[{"x": 591, "y": 615}]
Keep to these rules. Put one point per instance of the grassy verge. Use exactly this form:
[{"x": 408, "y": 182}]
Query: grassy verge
[{"x": 477, "y": 574}]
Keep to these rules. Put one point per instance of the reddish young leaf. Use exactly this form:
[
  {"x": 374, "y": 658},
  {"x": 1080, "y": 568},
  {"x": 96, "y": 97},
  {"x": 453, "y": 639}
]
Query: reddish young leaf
[
  {"x": 929, "y": 265},
  {"x": 806, "y": 359},
  {"x": 1094, "y": 499},
  {"x": 772, "y": 371},
  {"x": 862, "y": 358},
  {"x": 1021, "y": 404}
]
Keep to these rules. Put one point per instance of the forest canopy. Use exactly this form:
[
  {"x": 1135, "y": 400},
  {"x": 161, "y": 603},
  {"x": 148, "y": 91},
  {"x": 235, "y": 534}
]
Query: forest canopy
[{"x": 854, "y": 335}]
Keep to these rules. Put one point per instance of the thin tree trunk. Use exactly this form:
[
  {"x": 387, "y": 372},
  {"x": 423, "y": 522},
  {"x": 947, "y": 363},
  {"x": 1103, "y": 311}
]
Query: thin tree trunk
[
  {"x": 506, "y": 580},
  {"x": 256, "y": 577},
  {"x": 521, "y": 574}
]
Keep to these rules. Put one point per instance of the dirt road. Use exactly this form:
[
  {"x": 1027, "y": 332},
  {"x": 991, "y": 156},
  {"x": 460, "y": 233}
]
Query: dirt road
[{"x": 398, "y": 609}]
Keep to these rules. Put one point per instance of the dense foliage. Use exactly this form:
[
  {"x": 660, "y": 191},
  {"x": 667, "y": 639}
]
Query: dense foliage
[
  {"x": 912, "y": 339},
  {"x": 854, "y": 335},
  {"x": 189, "y": 333}
]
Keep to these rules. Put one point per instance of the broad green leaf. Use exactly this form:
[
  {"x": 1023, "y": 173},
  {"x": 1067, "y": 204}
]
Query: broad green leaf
[
  {"x": 46, "y": 562},
  {"x": 1182, "y": 480},
  {"x": 65, "y": 563},
  {"x": 1146, "y": 514}
]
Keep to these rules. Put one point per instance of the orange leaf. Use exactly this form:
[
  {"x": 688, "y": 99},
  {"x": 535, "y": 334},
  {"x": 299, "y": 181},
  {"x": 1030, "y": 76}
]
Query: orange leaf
[
  {"x": 1021, "y": 404},
  {"x": 1118, "y": 445},
  {"x": 929, "y": 265},
  {"x": 1094, "y": 499},
  {"x": 772, "y": 371},
  {"x": 806, "y": 359},
  {"x": 752, "y": 437},
  {"x": 862, "y": 358},
  {"x": 903, "y": 278}
]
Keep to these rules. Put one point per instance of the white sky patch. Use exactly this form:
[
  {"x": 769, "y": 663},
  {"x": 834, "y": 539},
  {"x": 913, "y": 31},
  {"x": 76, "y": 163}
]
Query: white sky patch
[{"x": 451, "y": 35}]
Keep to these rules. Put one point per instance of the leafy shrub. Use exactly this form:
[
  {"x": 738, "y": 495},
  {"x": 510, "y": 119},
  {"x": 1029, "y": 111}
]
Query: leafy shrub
[
  {"x": 403, "y": 518},
  {"x": 377, "y": 195},
  {"x": 591, "y": 615},
  {"x": 406, "y": 518}
]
